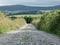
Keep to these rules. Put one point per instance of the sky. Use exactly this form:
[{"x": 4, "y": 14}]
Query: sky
[{"x": 30, "y": 2}]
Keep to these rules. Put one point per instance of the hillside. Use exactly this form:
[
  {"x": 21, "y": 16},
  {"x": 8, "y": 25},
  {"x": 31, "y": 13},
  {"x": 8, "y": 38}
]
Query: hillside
[{"x": 27, "y": 8}]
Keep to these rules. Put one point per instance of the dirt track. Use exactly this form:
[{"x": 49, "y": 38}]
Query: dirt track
[{"x": 28, "y": 35}]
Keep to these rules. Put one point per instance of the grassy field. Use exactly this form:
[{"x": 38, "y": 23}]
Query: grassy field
[
  {"x": 32, "y": 15},
  {"x": 8, "y": 24}
]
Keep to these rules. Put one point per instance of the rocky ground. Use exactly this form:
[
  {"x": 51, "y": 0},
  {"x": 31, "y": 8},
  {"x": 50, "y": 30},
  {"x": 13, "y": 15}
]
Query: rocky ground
[{"x": 28, "y": 35}]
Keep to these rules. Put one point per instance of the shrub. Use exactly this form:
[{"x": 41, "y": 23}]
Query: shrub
[
  {"x": 50, "y": 22},
  {"x": 28, "y": 19}
]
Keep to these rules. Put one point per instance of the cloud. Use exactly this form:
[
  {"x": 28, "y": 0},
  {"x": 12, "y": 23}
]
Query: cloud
[{"x": 30, "y": 2}]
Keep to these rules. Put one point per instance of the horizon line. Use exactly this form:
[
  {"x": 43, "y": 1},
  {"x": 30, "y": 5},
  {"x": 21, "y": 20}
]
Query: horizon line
[{"x": 29, "y": 5}]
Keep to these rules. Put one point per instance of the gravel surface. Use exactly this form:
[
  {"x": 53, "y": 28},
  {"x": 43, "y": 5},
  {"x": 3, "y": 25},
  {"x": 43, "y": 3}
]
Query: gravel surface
[{"x": 28, "y": 35}]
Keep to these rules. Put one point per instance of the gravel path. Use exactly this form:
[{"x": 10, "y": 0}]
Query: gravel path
[{"x": 28, "y": 35}]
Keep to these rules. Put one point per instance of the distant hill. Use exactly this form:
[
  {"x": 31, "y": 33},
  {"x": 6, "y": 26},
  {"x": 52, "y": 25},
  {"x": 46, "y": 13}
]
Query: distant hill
[{"x": 27, "y": 8}]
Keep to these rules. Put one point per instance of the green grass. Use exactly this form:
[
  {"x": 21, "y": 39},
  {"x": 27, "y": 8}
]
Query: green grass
[{"x": 7, "y": 24}]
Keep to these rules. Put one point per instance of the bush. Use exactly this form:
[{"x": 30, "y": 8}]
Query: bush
[
  {"x": 50, "y": 22},
  {"x": 28, "y": 19}
]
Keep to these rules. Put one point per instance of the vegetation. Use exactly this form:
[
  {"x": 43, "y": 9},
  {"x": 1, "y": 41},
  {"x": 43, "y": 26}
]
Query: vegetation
[
  {"x": 36, "y": 21},
  {"x": 28, "y": 19},
  {"x": 7, "y": 24},
  {"x": 49, "y": 22},
  {"x": 23, "y": 15}
]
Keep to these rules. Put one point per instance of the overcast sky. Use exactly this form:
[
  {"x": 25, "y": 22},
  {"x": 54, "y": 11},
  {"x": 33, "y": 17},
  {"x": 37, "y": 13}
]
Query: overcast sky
[{"x": 30, "y": 2}]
